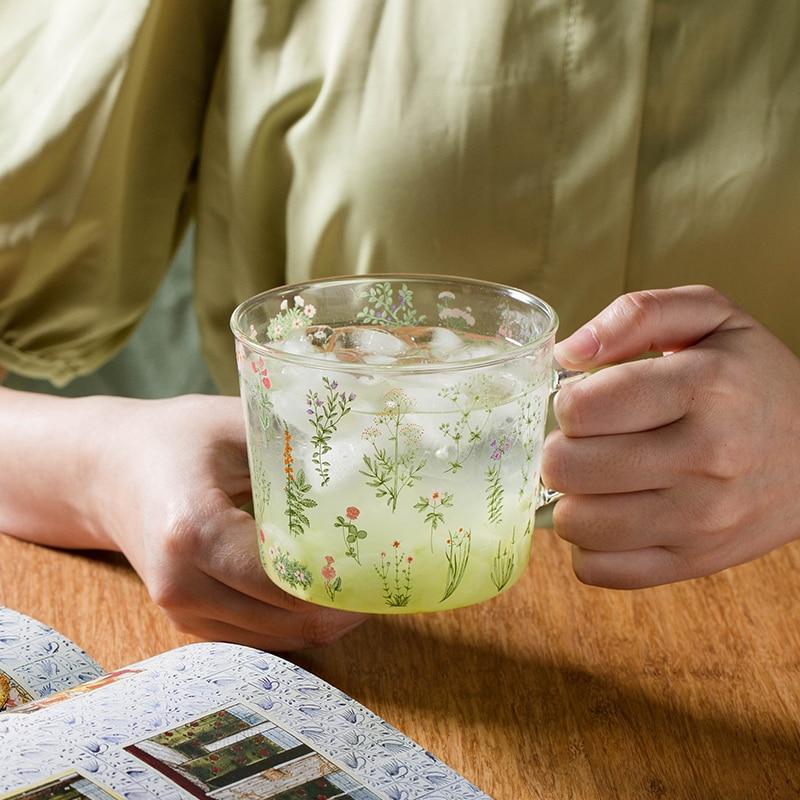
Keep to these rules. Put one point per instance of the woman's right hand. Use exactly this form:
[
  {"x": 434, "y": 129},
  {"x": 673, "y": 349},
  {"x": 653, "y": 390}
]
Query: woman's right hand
[{"x": 162, "y": 481}]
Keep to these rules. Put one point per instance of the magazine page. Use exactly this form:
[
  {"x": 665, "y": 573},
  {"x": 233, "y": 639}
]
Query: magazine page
[
  {"x": 214, "y": 721},
  {"x": 36, "y": 661}
]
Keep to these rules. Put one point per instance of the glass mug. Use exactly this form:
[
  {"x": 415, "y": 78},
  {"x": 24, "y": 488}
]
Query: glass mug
[{"x": 394, "y": 427}]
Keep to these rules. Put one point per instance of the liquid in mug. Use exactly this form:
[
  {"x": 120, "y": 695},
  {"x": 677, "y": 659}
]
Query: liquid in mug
[{"x": 389, "y": 491}]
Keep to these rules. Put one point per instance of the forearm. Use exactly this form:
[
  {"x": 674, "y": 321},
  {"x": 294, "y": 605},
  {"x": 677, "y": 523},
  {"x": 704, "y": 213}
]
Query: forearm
[{"x": 49, "y": 453}]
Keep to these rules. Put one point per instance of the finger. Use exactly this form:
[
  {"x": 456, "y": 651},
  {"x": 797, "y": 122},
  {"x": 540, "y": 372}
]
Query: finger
[
  {"x": 626, "y": 398},
  {"x": 642, "y": 322},
  {"x": 632, "y": 569},
  {"x": 206, "y": 597},
  {"x": 629, "y": 462},
  {"x": 619, "y": 522},
  {"x": 215, "y": 631}
]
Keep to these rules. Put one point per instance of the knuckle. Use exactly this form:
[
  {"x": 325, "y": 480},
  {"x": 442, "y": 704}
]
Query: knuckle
[
  {"x": 717, "y": 518},
  {"x": 168, "y": 594},
  {"x": 585, "y": 570},
  {"x": 565, "y": 517},
  {"x": 638, "y": 307},
  {"x": 182, "y": 537},
  {"x": 572, "y": 408},
  {"x": 554, "y": 467},
  {"x": 320, "y": 629},
  {"x": 710, "y": 295},
  {"x": 721, "y": 458}
]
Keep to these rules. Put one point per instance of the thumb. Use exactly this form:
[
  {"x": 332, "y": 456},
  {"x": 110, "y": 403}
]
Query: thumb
[{"x": 642, "y": 322}]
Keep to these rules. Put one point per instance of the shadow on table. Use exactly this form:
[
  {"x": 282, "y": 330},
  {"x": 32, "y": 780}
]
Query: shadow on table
[{"x": 565, "y": 719}]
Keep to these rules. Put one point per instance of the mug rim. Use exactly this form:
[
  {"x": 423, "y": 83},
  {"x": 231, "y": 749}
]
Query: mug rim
[{"x": 265, "y": 349}]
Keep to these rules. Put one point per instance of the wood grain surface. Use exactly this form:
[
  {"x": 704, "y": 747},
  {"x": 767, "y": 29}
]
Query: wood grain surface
[{"x": 553, "y": 690}]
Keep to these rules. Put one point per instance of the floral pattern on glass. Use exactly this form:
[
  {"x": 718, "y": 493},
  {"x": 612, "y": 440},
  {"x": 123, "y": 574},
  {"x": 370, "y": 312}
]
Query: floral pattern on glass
[
  {"x": 292, "y": 318},
  {"x": 494, "y": 484},
  {"x": 289, "y": 570},
  {"x": 351, "y": 533},
  {"x": 459, "y": 544},
  {"x": 297, "y": 489},
  {"x": 325, "y": 413},
  {"x": 474, "y": 400},
  {"x": 503, "y": 562},
  {"x": 395, "y": 574},
  {"x": 432, "y": 506},
  {"x": 451, "y": 316},
  {"x": 383, "y": 308},
  {"x": 395, "y": 463},
  {"x": 331, "y": 581}
]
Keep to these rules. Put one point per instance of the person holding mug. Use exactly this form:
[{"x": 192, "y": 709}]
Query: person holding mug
[{"x": 633, "y": 164}]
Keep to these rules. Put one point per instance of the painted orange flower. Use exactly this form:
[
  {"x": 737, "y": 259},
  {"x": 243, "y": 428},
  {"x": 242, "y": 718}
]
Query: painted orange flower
[{"x": 395, "y": 544}]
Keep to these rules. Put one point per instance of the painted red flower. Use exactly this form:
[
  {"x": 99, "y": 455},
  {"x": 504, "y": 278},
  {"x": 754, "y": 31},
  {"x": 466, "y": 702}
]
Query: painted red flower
[
  {"x": 328, "y": 572},
  {"x": 266, "y": 382},
  {"x": 410, "y": 559},
  {"x": 352, "y": 513},
  {"x": 395, "y": 544},
  {"x": 261, "y": 534},
  {"x": 329, "y": 559}
]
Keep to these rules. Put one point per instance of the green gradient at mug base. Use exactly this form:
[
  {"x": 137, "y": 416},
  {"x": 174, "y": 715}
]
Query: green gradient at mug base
[{"x": 395, "y": 427}]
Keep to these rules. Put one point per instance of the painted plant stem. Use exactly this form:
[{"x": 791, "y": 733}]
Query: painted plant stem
[
  {"x": 432, "y": 508},
  {"x": 458, "y": 548},
  {"x": 503, "y": 562},
  {"x": 390, "y": 470},
  {"x": 297, "y": 487},
  {"x": 395, "y": 575},
  {"x": 325, "y": 413},
  {"x": 351, "y": 533}
]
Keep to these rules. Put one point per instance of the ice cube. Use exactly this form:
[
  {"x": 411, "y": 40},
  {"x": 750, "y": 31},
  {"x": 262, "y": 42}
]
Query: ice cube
[
  {"x": 475, "y": 351},
  {"x": 369, "y": 341},
  {"x": 444, "y": 343},
  {"x": 299, "y": 345},
  {"x": 379, "y": 359}
]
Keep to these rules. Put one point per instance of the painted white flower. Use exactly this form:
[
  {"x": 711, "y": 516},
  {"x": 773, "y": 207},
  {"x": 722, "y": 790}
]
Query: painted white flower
[
  {"x": 284, "y": 305},
  {"x": 298, "y": 301},
  {"x": 446, "y": 296},
  {"x": 309, "y": 311},
  {"x": 272, "y": 552},
  {"x": 275, "y": 329},
  {"x": 297, "y": 323},
  {"x": 281, "y": 568}
]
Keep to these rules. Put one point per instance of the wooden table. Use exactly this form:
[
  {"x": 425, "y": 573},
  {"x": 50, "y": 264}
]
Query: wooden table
[{"x": 554, "y": 690}]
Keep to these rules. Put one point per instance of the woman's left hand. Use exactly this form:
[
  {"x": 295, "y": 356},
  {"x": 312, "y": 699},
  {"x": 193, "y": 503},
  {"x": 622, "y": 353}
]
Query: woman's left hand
[{"x": 680, "y": 466}]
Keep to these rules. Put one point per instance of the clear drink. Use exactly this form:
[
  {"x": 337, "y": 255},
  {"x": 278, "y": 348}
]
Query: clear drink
[{"x": 395, "y": 467}]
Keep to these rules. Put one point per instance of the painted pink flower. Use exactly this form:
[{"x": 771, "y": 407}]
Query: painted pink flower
[
  {"x": 266, "y": 382},
  {"x": 328, "y": 572},
  {"x": 329, "y": 559},
  {"x": 261, "y": 534},
  {"x": 395, "y": 544},
  {"x": 352, "y": 513},
  {"x": 435, "y": 495},
  {"x": 309, "y": 311}
]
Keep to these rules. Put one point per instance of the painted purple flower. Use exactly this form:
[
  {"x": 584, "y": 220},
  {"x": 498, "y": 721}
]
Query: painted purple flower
[
  {"x": 334, "y": 385},
  {"x": 352, "y": 396}
]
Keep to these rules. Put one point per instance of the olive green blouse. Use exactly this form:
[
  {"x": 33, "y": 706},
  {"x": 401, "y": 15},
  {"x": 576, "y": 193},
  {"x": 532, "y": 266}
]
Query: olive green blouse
[{"x": 575, "y": 149}]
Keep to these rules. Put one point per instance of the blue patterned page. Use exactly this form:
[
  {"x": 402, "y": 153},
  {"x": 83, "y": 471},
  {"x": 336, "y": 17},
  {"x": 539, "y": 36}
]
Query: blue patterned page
[
  {"x": 215, "y": 721},
  {"x": 36, "y": 661}
]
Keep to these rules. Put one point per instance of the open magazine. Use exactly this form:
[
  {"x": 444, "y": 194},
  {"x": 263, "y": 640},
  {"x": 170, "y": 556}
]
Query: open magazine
[{"x": 203, "y": 721}]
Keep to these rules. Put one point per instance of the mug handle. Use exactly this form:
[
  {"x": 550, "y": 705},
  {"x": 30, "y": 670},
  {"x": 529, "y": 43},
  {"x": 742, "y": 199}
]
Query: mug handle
[{"x": 561, "y": 377}]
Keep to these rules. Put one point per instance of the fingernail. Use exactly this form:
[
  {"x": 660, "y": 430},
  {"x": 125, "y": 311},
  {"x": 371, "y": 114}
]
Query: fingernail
[{"x": 579, "y": 348}]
